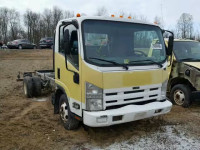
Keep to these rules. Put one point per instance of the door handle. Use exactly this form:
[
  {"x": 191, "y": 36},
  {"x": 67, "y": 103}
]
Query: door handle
[{"x": 58, "y": 73}]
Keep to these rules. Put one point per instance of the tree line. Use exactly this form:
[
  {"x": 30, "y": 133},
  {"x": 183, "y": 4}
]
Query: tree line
[
  {"x": 34, "y": 26},
  {"x": 31, "y": 25}
]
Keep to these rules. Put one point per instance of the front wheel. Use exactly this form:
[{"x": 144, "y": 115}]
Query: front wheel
[
  {"x": 181, "y": 95},
  {"x": 66, "y": 116}
]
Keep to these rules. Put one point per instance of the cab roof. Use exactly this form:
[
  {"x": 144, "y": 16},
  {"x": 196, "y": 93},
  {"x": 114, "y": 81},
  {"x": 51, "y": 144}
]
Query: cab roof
[{"x": 82, "y": 18}]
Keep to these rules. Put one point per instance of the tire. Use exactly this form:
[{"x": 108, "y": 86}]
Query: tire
[
  {"x": 34, "y": 47},
  {"x": 37, "y": 86},
  {"x": 20, "y": 47},
  {"x": 181, "y": 95},
  {"x": 51, "y": 47},
  {"x": 28, "y": 87},
  {"x": 66, "y": 116}
]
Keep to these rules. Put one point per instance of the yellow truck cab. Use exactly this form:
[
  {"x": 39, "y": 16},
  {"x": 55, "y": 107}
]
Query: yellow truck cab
[
  {"x": 184, "y": 79},
  {"x": 103, "y": 74}
]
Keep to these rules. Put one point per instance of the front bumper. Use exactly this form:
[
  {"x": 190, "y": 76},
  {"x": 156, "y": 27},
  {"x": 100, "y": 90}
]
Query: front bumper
[{"x": 125, "y": 114}]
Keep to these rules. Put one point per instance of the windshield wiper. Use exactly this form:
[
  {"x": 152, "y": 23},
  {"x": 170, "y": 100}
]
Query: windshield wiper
[
  {"x": 112, "y": 62},
  {"x": 189, "y": 59},
  {"x": 154, "y": 62}
]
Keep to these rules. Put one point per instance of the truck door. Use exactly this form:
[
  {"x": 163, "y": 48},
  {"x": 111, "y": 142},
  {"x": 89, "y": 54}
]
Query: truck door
[{"x": 65, "y": 73}]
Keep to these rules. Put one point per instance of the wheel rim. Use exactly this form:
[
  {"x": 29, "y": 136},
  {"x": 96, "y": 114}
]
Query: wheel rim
[
  {"x": 64, "y": 112},
  {"x": 179, "y": 97},
  {"x": 25, "y": 89},
  {"x": 20, "y": 47}
]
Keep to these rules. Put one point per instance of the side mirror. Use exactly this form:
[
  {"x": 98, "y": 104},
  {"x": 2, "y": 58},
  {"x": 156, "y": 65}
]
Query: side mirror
[
  {"x": 66, "y": 42},
  {"x": 170, "y": 45}
]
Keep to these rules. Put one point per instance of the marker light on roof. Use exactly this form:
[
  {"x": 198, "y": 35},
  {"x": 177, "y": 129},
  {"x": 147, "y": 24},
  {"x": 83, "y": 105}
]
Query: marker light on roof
[
  {"x": 112, "y": 15},
  {"x": 121, "y": 16},
  {"x": 129, "y": 17},
  {"x": 78, "y": 15},
  {"x": 155, "y": 22}
]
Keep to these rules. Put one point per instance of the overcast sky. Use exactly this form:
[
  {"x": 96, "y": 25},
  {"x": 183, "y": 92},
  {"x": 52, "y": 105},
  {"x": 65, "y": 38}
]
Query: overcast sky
[{"x": 170, "y": 10}]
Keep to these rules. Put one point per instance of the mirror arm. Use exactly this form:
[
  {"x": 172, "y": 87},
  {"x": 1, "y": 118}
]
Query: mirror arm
[
  {"x": 168, "y": 31},
  {"x": 73, "y": 22},
  {"x": 170, "y": 63}
]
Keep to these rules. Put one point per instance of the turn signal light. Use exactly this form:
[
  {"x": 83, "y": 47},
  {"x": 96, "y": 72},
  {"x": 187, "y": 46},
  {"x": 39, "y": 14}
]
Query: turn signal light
[
  {"x": 78, "y": 15},
  {"x": 155, "y": 22}
]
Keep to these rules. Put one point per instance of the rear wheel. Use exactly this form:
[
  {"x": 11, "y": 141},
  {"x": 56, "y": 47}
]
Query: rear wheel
[
  {"x": 66, "y": 116},
  {"x": 37, "y": 86},
  {"x": 28, "y": 87},
  {"x": 181, "y": 95}
]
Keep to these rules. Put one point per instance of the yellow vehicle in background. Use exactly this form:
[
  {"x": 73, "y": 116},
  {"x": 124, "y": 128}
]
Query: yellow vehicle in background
[
  {"x": 184, "y": 79},
  {"x": 102, "y": 72}
]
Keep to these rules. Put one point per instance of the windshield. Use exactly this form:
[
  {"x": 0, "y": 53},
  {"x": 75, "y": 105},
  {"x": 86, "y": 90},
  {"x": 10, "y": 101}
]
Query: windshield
[
  {"x": 122, "y": 43},
  {"x": 187, "y": 50}
]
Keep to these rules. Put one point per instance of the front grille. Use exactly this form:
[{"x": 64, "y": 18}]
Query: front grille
[
  {"x": 125, "y": 96},
  {"x": 138, "y": 103}
]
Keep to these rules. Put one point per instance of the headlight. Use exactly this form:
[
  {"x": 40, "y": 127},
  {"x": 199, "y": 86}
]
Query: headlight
[
  {"x": 164, "y": 90},
  {"x": 94, "y": 97}
]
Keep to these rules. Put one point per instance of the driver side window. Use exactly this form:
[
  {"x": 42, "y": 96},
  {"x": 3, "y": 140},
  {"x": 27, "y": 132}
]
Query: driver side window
[
  {"x": 73, "y": 44},
  {"x": 72, "y": 57}
]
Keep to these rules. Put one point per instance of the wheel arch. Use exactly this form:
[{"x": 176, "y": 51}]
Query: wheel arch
[
  {"x": 59, "y": 91},
  {"x": 179, "y": 80}
]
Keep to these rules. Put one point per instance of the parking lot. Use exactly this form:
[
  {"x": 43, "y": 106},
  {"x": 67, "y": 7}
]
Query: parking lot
[{"x": 31, "y": 124}]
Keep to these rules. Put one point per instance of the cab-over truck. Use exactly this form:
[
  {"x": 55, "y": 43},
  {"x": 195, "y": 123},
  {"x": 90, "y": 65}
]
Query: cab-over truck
[{"x": 102, "y": 73}]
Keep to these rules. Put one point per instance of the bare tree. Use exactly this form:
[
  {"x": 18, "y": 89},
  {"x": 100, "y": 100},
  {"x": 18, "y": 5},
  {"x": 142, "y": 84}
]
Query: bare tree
[
  {"x": 102, "y": 11},
  {"x": 32, "y": 22},
  {"x": 57, "y": 14},
  {"x": 197, "y": 36},
  {"x": 47, "y": 18},
  {"x": 185, "y": 26},
  {"x": 4, "y": 24},
  {"x": 14, "y": 24},
  {"x": 28, "y": 23},
  {"x": 68, "y": 14}
]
